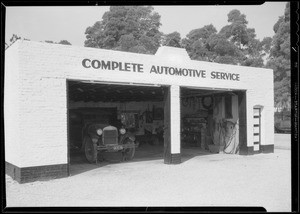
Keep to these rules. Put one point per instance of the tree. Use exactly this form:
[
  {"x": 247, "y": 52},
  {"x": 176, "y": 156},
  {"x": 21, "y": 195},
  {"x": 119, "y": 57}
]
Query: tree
[
  {"x": 282, "y": 96},
  {"x": 251, "y": 50},
  {"x": 172, "y": 39},
  {"x": 64, "y": 42},
  {"x": 208, "y": 45},
  {"x": 126, "y": 28},
  {"x": 48, "y": 41},
  {"x": 266, "y": 45},
  {"x": 12, "y": 40},
  {"x": 234, "y": 44},
  {"x": 197, "y": 43},
  {"x": 223, "y": 50},
  {"x": 237, "y": 31},
  {"x": 279, "y": 60}
]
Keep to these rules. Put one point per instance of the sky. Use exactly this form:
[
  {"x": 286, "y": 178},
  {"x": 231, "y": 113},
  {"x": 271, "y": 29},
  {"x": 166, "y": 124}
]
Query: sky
[{"x": 69, "y": 23}]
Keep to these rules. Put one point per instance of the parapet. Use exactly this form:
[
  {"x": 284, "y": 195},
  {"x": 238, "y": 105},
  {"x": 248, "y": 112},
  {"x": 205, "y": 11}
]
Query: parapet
[{"x": 172, "y": 54}]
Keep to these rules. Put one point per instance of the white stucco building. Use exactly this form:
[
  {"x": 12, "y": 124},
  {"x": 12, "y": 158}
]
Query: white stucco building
[{"x": 41, "y": 88}]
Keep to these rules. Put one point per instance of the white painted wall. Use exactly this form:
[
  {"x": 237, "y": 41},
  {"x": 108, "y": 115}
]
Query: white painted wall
[
  {"x": 44, "y": 68},
  {"x": 44, "y": 123},
  {"x": 175, "y": 119},
  {"x": 261, "y": 94},
  {"x": 12, "y": 105}
]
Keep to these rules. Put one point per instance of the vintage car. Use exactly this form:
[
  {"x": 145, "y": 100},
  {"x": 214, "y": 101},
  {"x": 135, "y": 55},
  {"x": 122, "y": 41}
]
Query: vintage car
[{"x": 99, "y": 138}]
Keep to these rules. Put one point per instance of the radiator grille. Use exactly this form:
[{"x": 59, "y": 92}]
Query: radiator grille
[{"x": 110, "y": 136}]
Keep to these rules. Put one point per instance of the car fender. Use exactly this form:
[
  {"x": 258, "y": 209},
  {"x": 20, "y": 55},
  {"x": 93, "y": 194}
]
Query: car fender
[{"x": 126, "y": 135}]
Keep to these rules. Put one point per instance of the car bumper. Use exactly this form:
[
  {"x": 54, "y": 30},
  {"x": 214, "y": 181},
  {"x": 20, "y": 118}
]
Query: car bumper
[{"x": 114, "y": 148}]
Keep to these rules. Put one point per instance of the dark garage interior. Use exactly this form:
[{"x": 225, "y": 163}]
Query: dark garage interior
[
  {"x": 139, "y": 107},
  {"x": 133, "y": 107},
  {"x": 212, "y": 120}
]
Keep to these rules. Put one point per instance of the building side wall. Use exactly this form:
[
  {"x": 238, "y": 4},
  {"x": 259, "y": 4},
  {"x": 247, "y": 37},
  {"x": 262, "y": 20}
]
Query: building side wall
[
  {"x": 43, "y": 111},
  {"x": 261, "y": 94},
  {"x": 44, "y": 123},
  {"x": 12, "y": 106}
]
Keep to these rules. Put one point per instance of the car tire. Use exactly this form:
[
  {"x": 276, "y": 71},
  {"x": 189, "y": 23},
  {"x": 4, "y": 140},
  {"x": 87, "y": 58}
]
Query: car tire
[{"x": 90, "y": 150}]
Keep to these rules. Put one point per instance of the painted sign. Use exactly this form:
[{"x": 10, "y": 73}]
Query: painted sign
[{"x": 158, "y": 70}]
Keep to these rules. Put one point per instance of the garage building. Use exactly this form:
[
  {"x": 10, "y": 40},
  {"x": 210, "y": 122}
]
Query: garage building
[{"x": 216, "y": 107}]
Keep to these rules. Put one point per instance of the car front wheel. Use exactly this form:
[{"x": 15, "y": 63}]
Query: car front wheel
[{"x": 90, "y": 150}]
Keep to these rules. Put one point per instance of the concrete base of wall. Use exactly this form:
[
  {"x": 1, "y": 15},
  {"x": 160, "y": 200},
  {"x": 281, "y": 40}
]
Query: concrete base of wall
[
  {"x": 30, "y": 174},
  {"x": 176, "y": 158},
  {"x": 263, "y": 149},
  {"x": 246, "y": 150},
  {"x": 267, "y": 148},
  {"x": 172, "y": 158}
]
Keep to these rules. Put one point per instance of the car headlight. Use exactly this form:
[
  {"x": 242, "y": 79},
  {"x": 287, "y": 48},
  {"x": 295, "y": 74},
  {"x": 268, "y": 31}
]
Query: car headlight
[
  {"x": 99, "y": 132},
  {"x": 122, "y": 131}
]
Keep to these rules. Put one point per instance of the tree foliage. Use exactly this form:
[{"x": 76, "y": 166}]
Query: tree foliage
[
  {"x": 172, "y": 40},
  {"x": 234, "y": 44},
  {"x": 15, "y": 37},
  {"x": 237, "y": 31},
  {"x": 136, "y": 29},
  {"x": 279, "y": 60},
  {"x": 64, "y": 42},
  {"x": 12, "y": 40},
  {"x": 49, "y": 41},
  {"x": 126, "y": 28},
  {"x": 197, "y": 43}
]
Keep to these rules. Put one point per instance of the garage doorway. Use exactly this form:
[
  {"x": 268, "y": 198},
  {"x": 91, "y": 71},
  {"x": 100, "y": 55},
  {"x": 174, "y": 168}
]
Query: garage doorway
[
  {"x": 142, "y": 109},
  {"x": 212, "y": 121}
]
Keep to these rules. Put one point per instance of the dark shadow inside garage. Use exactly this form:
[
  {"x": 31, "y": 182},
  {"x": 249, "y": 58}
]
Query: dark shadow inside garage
[
  {"x": 212, "y": 121},
  {"x": 142, "y": 109},
  {"x": 138, "y": 108}
]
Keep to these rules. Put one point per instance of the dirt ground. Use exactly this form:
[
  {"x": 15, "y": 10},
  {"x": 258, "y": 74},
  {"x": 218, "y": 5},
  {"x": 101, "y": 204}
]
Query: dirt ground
[{"x": 202, "y": 179}]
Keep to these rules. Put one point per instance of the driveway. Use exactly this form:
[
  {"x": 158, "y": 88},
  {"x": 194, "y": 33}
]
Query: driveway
[{"x": 201, "y": 180}]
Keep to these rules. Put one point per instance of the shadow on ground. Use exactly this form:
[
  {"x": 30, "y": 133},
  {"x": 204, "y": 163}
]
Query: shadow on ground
[{"x": 146, "y": 152}]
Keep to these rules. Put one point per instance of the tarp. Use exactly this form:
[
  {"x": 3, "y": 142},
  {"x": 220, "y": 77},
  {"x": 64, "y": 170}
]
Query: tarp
[{"x": 231, "y": 138}]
